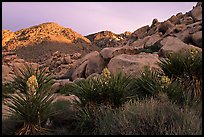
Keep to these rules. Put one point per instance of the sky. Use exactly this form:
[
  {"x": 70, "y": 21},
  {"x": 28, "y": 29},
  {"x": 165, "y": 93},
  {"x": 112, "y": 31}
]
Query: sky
[{"x": 90, "y": 17}]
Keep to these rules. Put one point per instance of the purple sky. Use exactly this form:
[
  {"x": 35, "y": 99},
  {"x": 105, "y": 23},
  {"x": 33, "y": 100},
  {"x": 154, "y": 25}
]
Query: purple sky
[{"x": 90, "y": 17}]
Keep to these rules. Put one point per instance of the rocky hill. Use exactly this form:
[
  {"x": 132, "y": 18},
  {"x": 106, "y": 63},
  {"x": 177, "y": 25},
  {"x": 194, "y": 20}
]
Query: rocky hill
[
  {"x": 70, "y": 56},
  {"x": 38, "y": 42},
  {"x": 144, "y": 47}
]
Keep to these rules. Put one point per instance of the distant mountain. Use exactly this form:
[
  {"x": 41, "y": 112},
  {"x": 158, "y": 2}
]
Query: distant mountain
[
  {"x": 108, "y": 39},
  {"x": 40, "y": 40}
]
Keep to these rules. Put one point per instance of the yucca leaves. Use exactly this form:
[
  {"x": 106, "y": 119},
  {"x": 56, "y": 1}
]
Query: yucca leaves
[
  {"x": 32, "y": 108},
  {"x": 182, "y": 64},
  {"x": 185, "y": 67},
  {"x": 113, "y": 91},
  {"x": 147, "y": 84}
]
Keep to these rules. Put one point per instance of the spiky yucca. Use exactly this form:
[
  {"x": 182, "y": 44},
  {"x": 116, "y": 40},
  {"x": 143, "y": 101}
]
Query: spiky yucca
[
  {"x": 185, "y": 68},
  {"x": 148, "y": 84},
  {"x": 30, "y": 104},
  {"x": 106, "y": 89},
  {"x": 183, "y": 64}
]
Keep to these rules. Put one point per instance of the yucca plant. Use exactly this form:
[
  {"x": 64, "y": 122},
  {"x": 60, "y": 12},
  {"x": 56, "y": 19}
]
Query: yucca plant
[
  {"x": 183, "y": 92},
  {"x": 32, "y": 99},
  {"x": 183, "y": 64},
  {"x": 147, "y": 84},
  {"x": 185, "y": 69},
  {"x": 106, "y": 89}
]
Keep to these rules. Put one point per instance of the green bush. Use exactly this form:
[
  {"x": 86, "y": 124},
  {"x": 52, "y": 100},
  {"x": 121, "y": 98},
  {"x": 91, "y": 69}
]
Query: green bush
[
  {"x": 11, "y": 125},
  {"x": 185, "y": 69},
  {"x": 62, "y": 120},
  {"x": 147, "y": 84},
  {"x": 147, "y": 117},
  {"x": 183, "y": 92},
  {"x": 183, "y": 64},
  {"x": 32, "y": 100},
  {"x": 107, "y": 90}
]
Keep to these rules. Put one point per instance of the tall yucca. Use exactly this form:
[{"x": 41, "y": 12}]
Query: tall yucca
[{"x": 30, "y": 104}]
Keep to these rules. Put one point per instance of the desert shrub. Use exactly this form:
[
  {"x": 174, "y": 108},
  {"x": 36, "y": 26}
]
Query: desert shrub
[
  {"x": 10, "y": 125},
  {"x": 62, "y": 120},
  {"x": 184, "y": 64},
  {"x": 106, "y": 89},
  {"x": 32, "y": 100},
  {"x": 147, "y": 84},
  {"x": 147, "y": 117},
  {"x": 183, "y": 92},
  {"x": 185, "y": 69}
]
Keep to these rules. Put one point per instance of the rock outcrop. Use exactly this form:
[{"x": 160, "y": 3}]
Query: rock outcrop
[
  {"x": 133, "y": 64},
  {"x": 71, "y": 57}
]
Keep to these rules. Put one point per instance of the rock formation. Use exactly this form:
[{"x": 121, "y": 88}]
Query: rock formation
[{"x": 71, "y": 56}]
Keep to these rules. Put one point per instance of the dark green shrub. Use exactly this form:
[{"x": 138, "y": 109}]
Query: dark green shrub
[
  {"x": 185, "y": 68},
  {"x": 11, "y": 125},
  {"x": 183, "y": 92},
  {"x": 107, "y": 90},
  {"x": 183, "y": 64},
  {"x": 62, "y": 119},
  {"x": 147, "y": 117},
  {"x": 147, "y": 84}
]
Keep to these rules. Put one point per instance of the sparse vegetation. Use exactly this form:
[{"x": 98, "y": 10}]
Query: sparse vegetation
[
  {"x": 107, "y": 89},
  {"x": 154, "y": 103}
]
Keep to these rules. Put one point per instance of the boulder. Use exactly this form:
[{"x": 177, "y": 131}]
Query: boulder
[
  {"x": 76, "y": 55},
  {"x": 173, "y": 44},
  {"x": 186, "y": 20},
  {"x": 140, "y": 43},
  {"x": 152, "y": 40},
  {"x": 164, "y": 26},
  {"x": 108, "y": 53},
  {"x": 133, "y": 64},
  {"x": 7, "y": 78},
  {"x": 179, "y": 15},
  {"x": 67, "y": 59},
  {"x": 174, "y": 19},
  {"x": 90, "y": 63},
  {"x": 154, "y": 22},
  {"x": 17, "y": 66},
  {"x": 79, "y": 67},
  {"x": 70, "y": 98},
  {"x": 141, "y": 32},
  {"x": 175, "y": 30},
  {"x": 153, "y": 28},
  {"x": 79, "y": 72},
  {"x": 196, "y": 13},
  {"x": 186, "y": 34},
  {"x": 197, "y": 38},
  {"x": 55, "y": 86},
  {"x": 95, "y": 64}
]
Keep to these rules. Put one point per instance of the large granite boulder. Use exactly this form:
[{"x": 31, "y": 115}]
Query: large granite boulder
[
  {"x": 133, "y": 64},
  {"x": 173, "y": 44}
]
